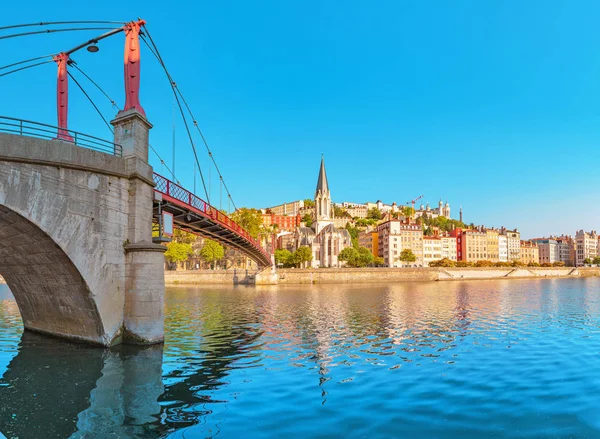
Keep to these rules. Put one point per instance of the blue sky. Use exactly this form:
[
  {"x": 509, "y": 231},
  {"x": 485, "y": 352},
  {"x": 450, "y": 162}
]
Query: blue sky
[{"x": 491, "y": 105}]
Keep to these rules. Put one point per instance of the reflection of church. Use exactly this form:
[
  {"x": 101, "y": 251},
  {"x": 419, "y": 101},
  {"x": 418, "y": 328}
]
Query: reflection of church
[{"x": 325, "y": 240}]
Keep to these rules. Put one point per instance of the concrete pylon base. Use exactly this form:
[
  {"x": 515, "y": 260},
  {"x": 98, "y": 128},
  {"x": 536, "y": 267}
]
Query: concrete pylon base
[{"x": 143, "y": 319}]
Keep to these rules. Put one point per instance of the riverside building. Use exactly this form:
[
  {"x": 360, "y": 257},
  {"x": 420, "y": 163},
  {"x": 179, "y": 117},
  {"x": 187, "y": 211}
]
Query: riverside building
[
  {"x": 586, "y": 246},
  {"x": 566, "y": 250},
  {"x": 493, "y": 245},
  {"x": 395, "y": 236},
  {"x": 513, "y": 243},
  {"x": 502, "y": 248},
  {"x": 549, "y": 251},
  {"x": 529, "y": 252},
  {"x": 449, "y": 247},
  {"x": 474, "y": 245},
  {"x": 432, "y": 249},
  {"x": 369, "y": 240}
]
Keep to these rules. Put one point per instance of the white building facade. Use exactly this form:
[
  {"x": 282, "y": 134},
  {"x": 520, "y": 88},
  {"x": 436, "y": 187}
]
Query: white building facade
[
  {"x": 502, "y": 248},
  {"x": 448, "y": 247},
  {"x": 432, "y": 249},
  {"x": 586, "y": 246},
  {"x": 549, "y": 250}
]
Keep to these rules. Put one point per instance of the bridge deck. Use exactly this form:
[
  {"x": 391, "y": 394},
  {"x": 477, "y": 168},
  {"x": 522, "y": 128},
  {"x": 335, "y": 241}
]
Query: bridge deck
[{"x": 192, "y": 214}]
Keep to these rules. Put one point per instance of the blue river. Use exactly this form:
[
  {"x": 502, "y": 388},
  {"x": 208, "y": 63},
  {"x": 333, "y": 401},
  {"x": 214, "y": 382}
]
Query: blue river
[{"x": 476, "y": 359}]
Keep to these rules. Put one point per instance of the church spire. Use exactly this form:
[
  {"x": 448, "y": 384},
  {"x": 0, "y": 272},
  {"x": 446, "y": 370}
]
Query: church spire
[
  {"x": 323, "y": 209},
  {"x": 322, "y": 182}
]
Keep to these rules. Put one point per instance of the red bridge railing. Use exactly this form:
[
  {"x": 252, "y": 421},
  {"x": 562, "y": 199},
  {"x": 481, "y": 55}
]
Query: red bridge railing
[{"x": 175, "y": 191}]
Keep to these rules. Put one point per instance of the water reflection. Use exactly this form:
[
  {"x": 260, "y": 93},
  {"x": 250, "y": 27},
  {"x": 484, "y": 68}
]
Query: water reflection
[
  {"x": 464, "y": 359},
  {"x": 59, "y": 389}
]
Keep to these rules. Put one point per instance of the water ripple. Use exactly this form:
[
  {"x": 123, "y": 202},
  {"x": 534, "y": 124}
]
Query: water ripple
[{"x": 500, "y": 359}]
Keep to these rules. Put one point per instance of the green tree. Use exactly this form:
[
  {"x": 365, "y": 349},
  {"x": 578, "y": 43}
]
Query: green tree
[
  {"x": 534, "y": 264},
  {"x": 441, "y": 222},
  {"x": 340, "y": 212},
  {"x": 407, "y": 256},
  {"x": 587, "y": 261},
  {"x": 364, "y": 222},
  {"x": 484, "y": 263},
  {"x": 284, "y": 257},
  {"x": 378, "y": 261},
  {"x": 353, "y": 231},
  {"x": 177, "y": 252},
  {"x": 356, "y": 257},
  {"x": 374, "y": 213},
  {"x": 562, "y": 264},
  {"x": 407, "y": 211},
  {"x": 248, "y": 219},
  {"x": 184, "y": 237},
  {"x": 365, "y": 257},
  {"x": 307, "y": 220},
  {"x": 348, "y": 255},
  {"x": 309, "y": 203},
  {"x": 595, "y": 261},
  {"x": 212, "y": 251},
  {"x": 464, "y": 264},
  {"x": 303, "y": 255}
]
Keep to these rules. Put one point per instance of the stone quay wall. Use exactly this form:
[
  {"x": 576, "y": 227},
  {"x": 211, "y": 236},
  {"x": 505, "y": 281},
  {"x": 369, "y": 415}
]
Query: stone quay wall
[{"x": 374, "y": 275}]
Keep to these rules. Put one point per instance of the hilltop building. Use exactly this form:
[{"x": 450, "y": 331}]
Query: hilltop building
[
  {"x": 441, "y": 210},
  {"x": 292, "y": 208},
  {"x": 281, "y": 222}
]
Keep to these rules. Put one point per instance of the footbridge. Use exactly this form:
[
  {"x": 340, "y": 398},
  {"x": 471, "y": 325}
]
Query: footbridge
[{"x": 76, "y": 219}]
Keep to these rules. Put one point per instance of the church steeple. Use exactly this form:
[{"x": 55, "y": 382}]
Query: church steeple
[
  {"x": 323, "y": 209},
  {"x": 322, "y": 185}
]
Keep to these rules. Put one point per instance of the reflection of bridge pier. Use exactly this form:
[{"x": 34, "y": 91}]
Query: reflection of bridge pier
[
  {"x": 125, "y": 400},
  {"x": 59, "y": 389}
]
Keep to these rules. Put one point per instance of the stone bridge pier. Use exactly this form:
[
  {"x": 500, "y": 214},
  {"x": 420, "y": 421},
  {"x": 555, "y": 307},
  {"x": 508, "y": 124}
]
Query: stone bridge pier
[{"x": 76, "y": 237}]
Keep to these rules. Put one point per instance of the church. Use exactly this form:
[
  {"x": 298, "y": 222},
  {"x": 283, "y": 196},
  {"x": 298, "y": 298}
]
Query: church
[{"x": 324, "y": 239}]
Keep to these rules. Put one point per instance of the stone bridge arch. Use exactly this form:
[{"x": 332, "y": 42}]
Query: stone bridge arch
[{"x": 52, "y": 295}]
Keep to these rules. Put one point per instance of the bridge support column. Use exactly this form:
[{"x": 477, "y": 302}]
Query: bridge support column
[{"x": 143, "y": 319}]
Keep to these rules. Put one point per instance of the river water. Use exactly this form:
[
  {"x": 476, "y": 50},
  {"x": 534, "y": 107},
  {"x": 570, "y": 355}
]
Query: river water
[{"x": 492, "y": 359}]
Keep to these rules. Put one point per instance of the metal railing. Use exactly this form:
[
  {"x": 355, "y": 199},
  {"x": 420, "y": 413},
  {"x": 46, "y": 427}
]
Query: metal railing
[
  {"x": 29, "y": 128},
  {"x": 173, "y": 190}
]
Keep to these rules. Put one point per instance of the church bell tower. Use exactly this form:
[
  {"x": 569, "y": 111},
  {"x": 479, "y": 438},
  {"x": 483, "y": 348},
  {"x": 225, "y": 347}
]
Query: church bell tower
[{"x": 323, "y": 215}]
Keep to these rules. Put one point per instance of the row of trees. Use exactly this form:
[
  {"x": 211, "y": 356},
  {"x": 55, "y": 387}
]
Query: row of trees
[
  {"x": 359, "y": 257},
  {"x": 181, "y": 248},
  {"x": 450, "y": 263},
  {"x": 595, "y": 261},
  {"x": 299, "y": 258},
  {"x": 443, "y": 223}
]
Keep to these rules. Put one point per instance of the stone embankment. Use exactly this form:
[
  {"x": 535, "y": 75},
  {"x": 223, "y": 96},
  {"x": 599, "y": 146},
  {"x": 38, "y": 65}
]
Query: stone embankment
[{"x": 370, "y": 275}]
